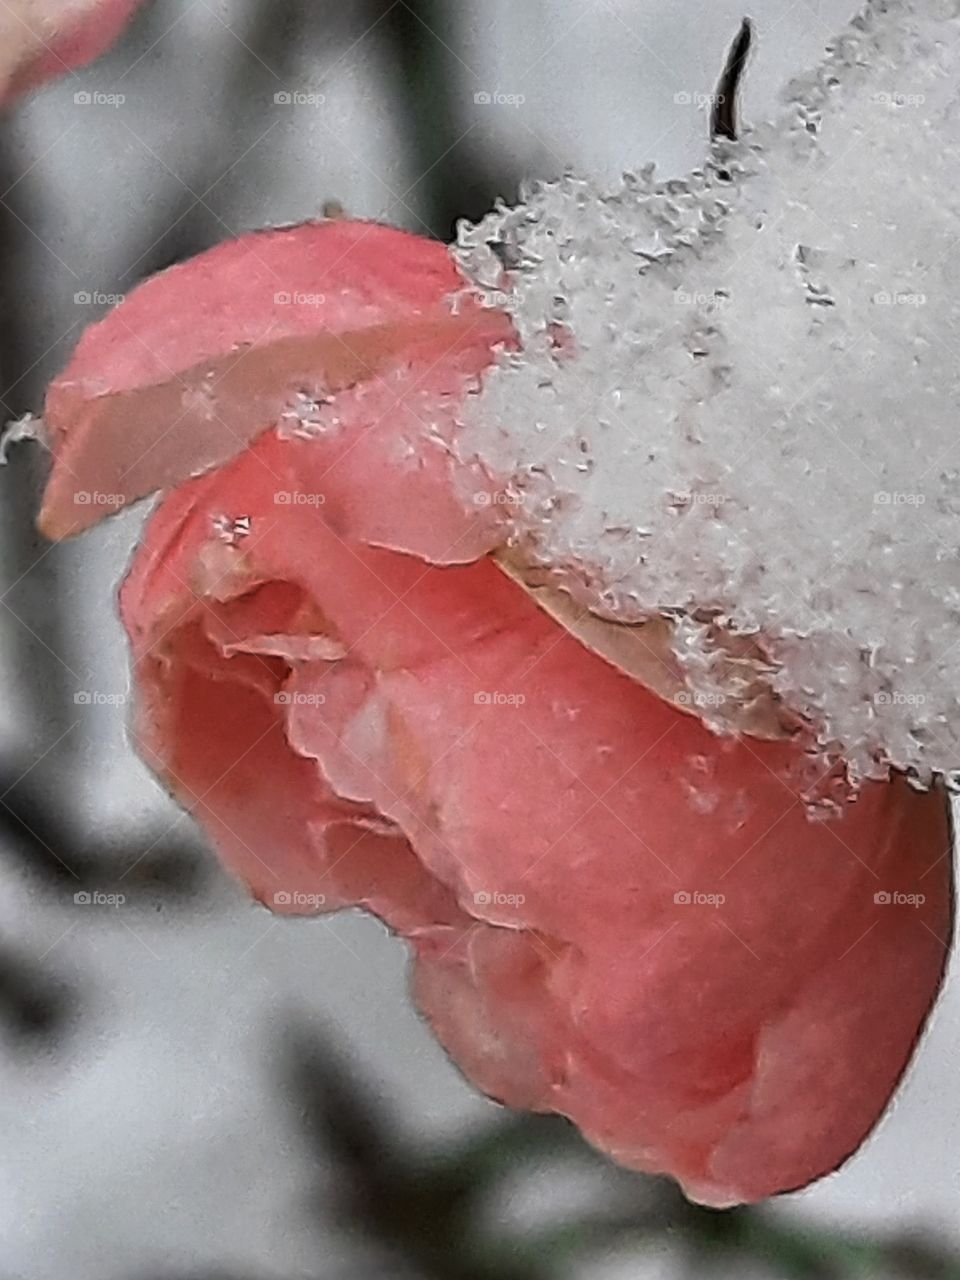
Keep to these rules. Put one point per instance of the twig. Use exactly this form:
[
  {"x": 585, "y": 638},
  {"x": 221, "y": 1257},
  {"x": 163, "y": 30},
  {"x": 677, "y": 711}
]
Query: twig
[
  {"x": 723, "y": 119},
  {"x": 424, "y": 1207}
]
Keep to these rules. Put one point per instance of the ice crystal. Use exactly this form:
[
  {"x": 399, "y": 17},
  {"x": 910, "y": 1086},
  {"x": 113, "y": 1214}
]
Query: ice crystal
[
  {"x": 308, "y": 416},
  {"x": 736, "y": 395},
  {"x": 232, "y": 529},
  {"x": 29, "y": 427}
]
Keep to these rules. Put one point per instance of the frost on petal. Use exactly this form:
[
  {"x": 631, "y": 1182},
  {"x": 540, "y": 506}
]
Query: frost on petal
[
  {"x": 751, "y": 422},
  {"x": 43, "y": 39},
  {"x": 616, "y": 914},
  {"x": 339, "y": 331}
]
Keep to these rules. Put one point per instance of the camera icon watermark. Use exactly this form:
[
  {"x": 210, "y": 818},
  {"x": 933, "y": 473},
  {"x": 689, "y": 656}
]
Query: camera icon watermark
[
  {"x": 691, "y": 698},
  {"x": 886, "y": 498},
  {"x": 498, "y": 699},
  {"x": 488, "y": 98},
  {"x": 299, "y": 298},
  {"x": 485, "y": 898},
  {"x": 687, "y": 99},
  {"x": 94, "y": 698},
  {"x": 95, "y": 298},
  {"x": 96, "y": 898},
  {"x": 295, "y": 898},
  {"x": 692, "y": 298},
  {"x": 896, "y": 699},
  {"x": 94, "y": 498},
  {"x": 899, "y": 298},
  {"x": 295, "y": 498},
  {"x": 695, "y": 898},
  {"x": 288, "y": 699},
  {"x": 899, "y": 99},
  {"x": 298, "y": 98},
  {"x": 94, "y": 98},
  {"x": 502, "y": 498}
]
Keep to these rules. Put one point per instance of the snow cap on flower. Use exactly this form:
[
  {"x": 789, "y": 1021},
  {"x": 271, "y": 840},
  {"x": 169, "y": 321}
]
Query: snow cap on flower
[{"x": 751, "y": 426}]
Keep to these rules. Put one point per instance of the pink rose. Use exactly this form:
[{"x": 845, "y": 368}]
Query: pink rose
[
  {"x": 614, "y": 913},
  {"x": 43, "y": 39}
]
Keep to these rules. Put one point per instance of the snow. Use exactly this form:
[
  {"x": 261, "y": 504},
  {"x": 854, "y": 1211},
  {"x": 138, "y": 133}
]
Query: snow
[{"x": 736, "y": 397}]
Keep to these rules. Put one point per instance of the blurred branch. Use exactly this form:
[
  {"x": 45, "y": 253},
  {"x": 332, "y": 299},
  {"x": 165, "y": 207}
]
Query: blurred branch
[
  {"x": 186, "y": 220},
  {"x": 42, "y": 840},
  {"x": 454, "y": 178},
  {"x": 419, "y": 1210},
  {"x": 424, "y": 1207},
  {"x": 32, "y": 1003},
  {"x": 36, "y": 629}
]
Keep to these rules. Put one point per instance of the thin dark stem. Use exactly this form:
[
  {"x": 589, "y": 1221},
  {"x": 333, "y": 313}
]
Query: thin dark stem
[{"x": 723, "y": 120}]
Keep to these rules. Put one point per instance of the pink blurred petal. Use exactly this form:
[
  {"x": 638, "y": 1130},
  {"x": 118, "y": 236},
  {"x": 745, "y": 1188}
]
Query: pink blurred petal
[{"x": 46, "y": 40}]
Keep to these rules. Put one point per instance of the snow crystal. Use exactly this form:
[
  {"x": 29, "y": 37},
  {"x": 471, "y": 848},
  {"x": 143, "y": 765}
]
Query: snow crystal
[
  {"x": 29, "y": 427},
  {"x": 308, "y": 416},
  {"x": 736, "y": 400}
]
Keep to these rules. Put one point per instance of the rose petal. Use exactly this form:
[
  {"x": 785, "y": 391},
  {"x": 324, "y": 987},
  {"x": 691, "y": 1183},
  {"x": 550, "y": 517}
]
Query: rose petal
[
  {"x": 744, "y": 1046},
  {"x": 204, "y": 357}
]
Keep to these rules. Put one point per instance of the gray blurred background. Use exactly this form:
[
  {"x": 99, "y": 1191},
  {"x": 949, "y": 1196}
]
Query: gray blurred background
[{"x": 188, "y": 1087}]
